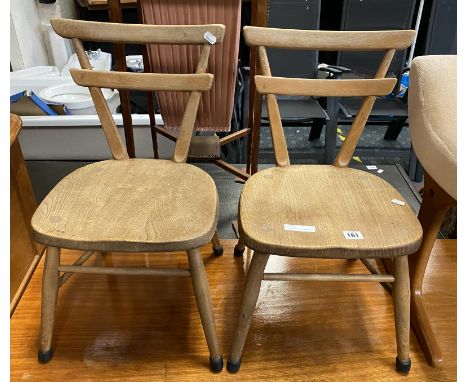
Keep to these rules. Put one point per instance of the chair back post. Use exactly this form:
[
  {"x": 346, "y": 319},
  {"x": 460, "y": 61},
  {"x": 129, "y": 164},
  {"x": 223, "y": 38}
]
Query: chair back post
[
  {"x": 388, "y": 41},
  {"x": 195, "y": 83},
  {"x": 111, "y": 133},
  {"x": 349, "y": 145},
  {"x": 188, "y": 120},
  {"x": 276, "y": 127}
]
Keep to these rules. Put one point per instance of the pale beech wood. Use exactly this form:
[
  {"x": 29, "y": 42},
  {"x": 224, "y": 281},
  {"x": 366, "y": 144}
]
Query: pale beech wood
[
  {"x": 80, "y": 261},
  {"x": 188, "y": 120},
  {"x": 374, "y": 270},
  {"x": 435, "y": 204},
  {"x": 50, "y": 286},
  {"x": 401, "y": 303},
  {"x": 142, "y": 81},
  {"x": 326, "y": 277},
  {"x": 349, "y": 145},
  {"x": 134, "y": 328},
  {"x": 276, "y": 127},
  {"x": 324, "y": 88},
  {"x": 328, "y": 40},
  {"x": 124, "y": 271},
  {"x": 249, "y": 300},
  {"x": 136, "y": 33},
  {"x": 333, "y": 200},
  {"x": 105, "y": 116},
  {"x": 134, "y": 205},
  {"x": 201, "y": 290}
]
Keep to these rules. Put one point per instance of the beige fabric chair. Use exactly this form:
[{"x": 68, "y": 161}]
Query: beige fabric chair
[
  {"x": 433, "y": 117},
  {"x": 432, "y": 108}
]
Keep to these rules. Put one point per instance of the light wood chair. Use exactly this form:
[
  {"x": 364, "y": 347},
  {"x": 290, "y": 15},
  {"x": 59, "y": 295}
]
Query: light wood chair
[
  {"x": 325, "y": 211},
  {"x": 132, "y": 205}
]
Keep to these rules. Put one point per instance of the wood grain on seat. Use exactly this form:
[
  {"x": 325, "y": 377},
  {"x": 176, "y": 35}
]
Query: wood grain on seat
[
  {"x": 130, "y": 205},
  {"x": 333, "y": 200}
]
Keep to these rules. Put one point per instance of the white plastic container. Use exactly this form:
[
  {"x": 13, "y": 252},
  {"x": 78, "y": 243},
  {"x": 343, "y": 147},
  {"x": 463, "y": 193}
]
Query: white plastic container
[
  {"x": 60, "y": 47},
  {"x": 98, "y": 59},
  {"x": 77, "y": 99}
]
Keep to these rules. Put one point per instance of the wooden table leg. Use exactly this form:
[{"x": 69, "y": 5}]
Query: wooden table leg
[{"x": 435, "y": 205}]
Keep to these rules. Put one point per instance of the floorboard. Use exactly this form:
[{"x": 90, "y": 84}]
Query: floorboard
[{"x": 132, "y": 328}]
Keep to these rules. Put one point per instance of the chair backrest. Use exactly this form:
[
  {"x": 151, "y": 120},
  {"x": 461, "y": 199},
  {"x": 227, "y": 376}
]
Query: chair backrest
[
  {"x": 217, "y": 105},
  {"x": 388, "y": 41},
  {"x": 195, "y": 83}
]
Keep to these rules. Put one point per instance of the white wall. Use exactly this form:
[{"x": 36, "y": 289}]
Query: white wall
[{"x": 29, "y": 44}]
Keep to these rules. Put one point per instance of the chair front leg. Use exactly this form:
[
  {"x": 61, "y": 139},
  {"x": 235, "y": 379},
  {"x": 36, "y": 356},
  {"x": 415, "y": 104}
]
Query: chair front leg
[
  {"x": 217, "y": 246},
  {"x": 249, "y": 300},
  {"x": 401, "y": 302},
  {"x": 202, "y": 295},
  {"x": 50, "y": 285}
]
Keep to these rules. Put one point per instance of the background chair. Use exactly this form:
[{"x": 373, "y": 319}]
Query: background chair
[
  {"x": 433, "y": 124},
  {"x": 216, "y": 107},
  {"x": 138, "y": 205},
  {"x": 325, "y": 211}
]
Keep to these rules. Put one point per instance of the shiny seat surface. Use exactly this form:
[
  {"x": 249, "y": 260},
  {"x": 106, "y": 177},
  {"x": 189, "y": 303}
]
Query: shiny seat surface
[
  {"x": 332, "y": 200},
  {"x": 129, "y": 205}
]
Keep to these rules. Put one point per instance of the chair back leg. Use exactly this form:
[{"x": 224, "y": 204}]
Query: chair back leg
[{"x": 217, "y": 246}]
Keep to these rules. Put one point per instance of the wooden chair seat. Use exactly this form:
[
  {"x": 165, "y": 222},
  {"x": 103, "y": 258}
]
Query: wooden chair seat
[
  {"x": 134, "y": 205},
  {"x": 332, "y": 200}
]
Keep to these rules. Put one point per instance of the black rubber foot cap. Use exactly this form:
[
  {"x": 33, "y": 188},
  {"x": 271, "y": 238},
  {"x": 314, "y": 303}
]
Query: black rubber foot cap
[
  {"x": 45, "y": 356},
  {"x": 218, "y": 251},
  {"x": 238, "y": 252},
  {"x": 403, "y": 367},
  {"x": 233, "y": 367},
  {"x": 216, "y": 365}
]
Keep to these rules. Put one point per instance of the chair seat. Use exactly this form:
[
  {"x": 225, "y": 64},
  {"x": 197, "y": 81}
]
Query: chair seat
[
  {"x": 134, "y": 205},
  {"x": 332, "y": 200}
]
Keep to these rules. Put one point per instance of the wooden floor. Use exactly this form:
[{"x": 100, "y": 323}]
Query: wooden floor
[{"x": 132, "y": 328}]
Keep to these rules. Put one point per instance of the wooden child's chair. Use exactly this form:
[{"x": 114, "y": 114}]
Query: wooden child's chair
[
  {"x": 325, "y": 211},
  {"x": 132, "y": 205}
]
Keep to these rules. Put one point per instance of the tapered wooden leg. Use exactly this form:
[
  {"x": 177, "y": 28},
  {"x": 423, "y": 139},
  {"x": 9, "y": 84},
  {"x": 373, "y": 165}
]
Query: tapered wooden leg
[
  {"x": 401, "y": 302},
  {"x": 435, "y": 205},
  {"x": 217, "y": 246},
  {"x": 50, "y": 284},
  {"x": 202, "y": 295},
  {"x": 249, "y": 300},
  {"x": 239, "y": 248}
]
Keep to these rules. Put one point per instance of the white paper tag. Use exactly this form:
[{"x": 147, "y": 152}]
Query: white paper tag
[
  {"x": 353, "y": 235},
  {"x": 380, "y": 171},
  {"x": 210, "y": 37},
  {"x": 398, "y": 202},
  {"x": 299, "y": 228},
  {"x": 371, "y": 167}
]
